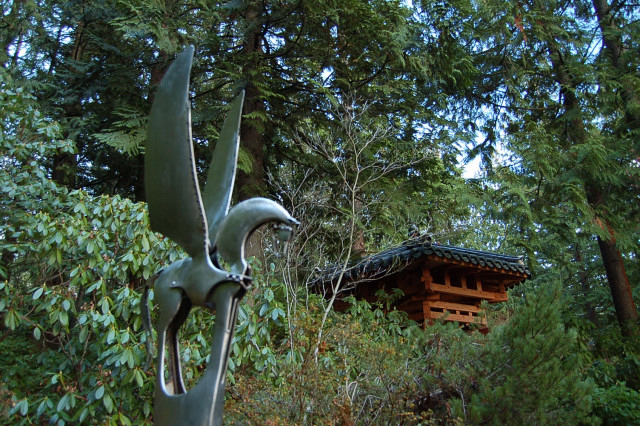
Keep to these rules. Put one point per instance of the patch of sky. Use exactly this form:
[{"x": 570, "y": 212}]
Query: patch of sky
[{"x": 327, "y": 76}]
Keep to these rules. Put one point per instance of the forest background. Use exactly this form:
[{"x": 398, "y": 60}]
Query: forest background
[{"x": 359, "y": 118}]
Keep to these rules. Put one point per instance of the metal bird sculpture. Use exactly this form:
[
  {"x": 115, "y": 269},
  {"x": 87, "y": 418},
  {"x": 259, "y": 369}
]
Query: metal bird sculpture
[{"x": 206, "y": 229}]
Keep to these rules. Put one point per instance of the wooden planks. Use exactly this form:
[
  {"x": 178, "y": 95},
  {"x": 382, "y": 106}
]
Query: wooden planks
[
  {"x": 451, "y": 311},
  {"x": 491, "y": 296},
  {"x": 456, "y": 297},
  {"x": 466, "y": 319},
  {"x": 463, "y": 290},
  {"x": 453, "y": 307}
]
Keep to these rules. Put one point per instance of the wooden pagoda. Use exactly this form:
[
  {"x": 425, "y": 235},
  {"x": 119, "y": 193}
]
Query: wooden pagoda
[{"x": 437, "y": 281}]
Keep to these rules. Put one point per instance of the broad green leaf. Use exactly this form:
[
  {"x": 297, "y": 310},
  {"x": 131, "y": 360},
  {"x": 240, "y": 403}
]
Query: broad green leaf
[
  {"x": 111, "y": 336},
  {"x": 84, "y": 333},
  {"x": 108, "y": 403},
  {"x": 38, "y": 293},
  {"x": 63, "y": 317},
  {"x": 63, "y": 404},
  {"x": 99, "y": 392},
  {"x": 138, "y": 377}
]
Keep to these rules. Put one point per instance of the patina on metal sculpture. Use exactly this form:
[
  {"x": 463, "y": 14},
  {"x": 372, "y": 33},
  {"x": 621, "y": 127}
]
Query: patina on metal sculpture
[{"x": 206, "y": 229}]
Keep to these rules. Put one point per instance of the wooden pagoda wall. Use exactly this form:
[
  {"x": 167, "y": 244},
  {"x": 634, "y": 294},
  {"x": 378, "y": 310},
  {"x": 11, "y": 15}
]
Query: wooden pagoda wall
[{"x": 451, "y": 290}]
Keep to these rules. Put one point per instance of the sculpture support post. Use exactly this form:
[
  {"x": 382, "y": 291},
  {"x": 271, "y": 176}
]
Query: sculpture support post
[
  {"x": 207, "y": 230},
  {"x": 204, "y": 403}
]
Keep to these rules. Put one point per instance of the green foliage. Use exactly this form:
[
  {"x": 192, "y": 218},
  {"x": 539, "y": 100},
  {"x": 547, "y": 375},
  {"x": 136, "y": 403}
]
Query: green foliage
[
  {"x": 532, "y": 370},
  {"x": 360, "y": 372},
  {"x": 377, "y": 367},
  {"x": 617, "y": 405},
  {"x": 74, "y": 265},
  {"x": 128, "y": 134}
]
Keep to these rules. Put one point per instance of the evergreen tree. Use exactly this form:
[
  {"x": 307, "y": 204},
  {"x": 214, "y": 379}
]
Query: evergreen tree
[
  {"x": 551, "y": 105},
  {"x": 531, "y": 370}
]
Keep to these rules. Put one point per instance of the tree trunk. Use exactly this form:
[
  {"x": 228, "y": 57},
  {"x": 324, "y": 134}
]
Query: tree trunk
[
  {"x": 620, "y": 288},
  {"x": 586, "y": 290},
  {"x": 12, "y": 31},
  {"x": 251, "y": 183},
  {"x": 65, "y": 164},
  {"x": 616, "y": 274},
  {"x": 139, "y": 194},
  {"x": 357, "y": 245},
  {"x": 607, "y": 29},
  {"x": 157, "y": 73},
  {"x": 613, "y": 47}
]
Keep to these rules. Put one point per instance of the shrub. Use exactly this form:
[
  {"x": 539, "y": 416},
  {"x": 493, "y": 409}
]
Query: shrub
[
  {"x": 617, "y": 404},
  {"x": 530, "y": 370}
]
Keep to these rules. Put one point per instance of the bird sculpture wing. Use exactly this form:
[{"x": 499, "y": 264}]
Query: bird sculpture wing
[
  {"x": 172, "y": 191},
  {"x": 222, "y": 172}
]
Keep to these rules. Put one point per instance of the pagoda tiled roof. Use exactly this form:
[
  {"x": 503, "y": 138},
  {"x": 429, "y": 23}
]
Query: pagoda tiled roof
[{"x": 419, "y": 249}]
